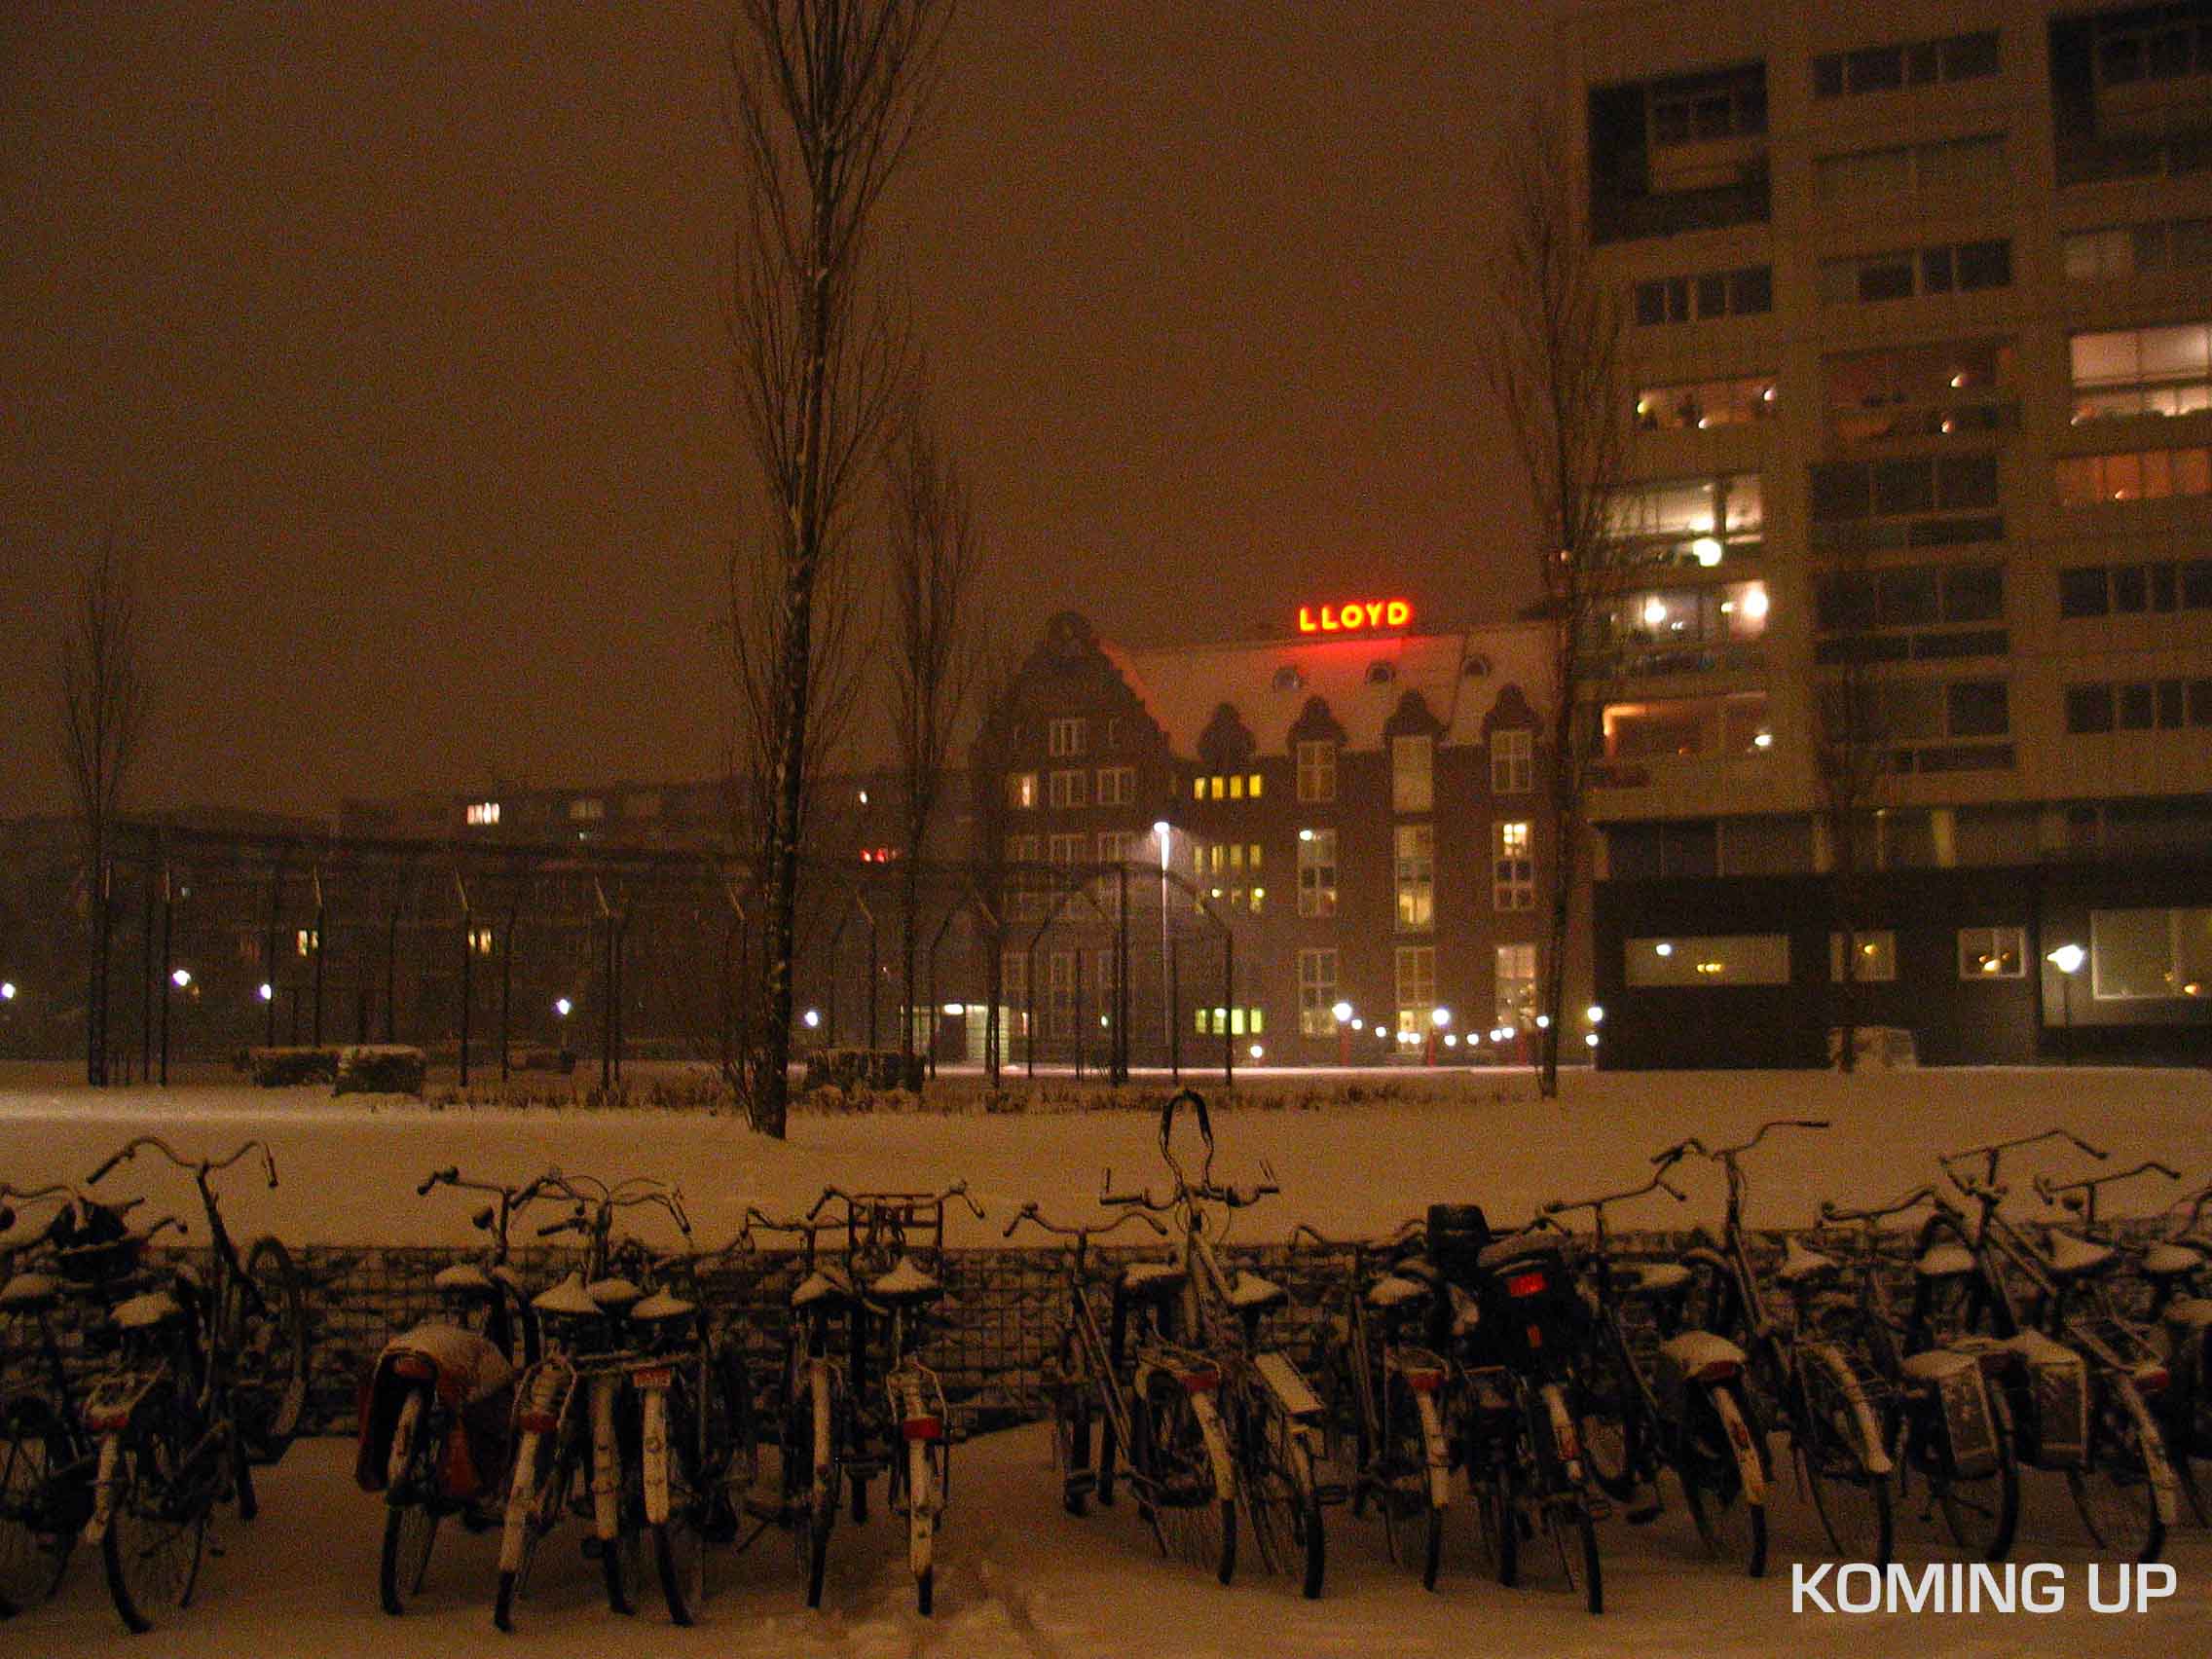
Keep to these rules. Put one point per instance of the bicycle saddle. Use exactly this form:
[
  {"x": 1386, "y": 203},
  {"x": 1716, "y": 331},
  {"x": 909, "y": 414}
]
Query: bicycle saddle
[
  {"x": 1649, "y": 1279},
  {"x": 905, "y": 1285},
  {"x": 2076, "y": 1258},
  {"x": 1800, "y": 1265},
  {"x": 568, "y": 1298},
  {"x": 1152, "y": 1280},
  {"x": 1249, "y": 1292},
  {"x": 1397, "y": 1290},
  {"x": 1944, "y": 1260},
  {"x": 30, "y": 1293},
  {"x": 148, "y": 1310},
  {"x": 823, "y": 1285},
  {"x": 662, "y": 1305},
  {"x": 462, "y": 1278},
  {"x": 615, "y": 1295},
  {"x": 2165, "y": 1261}
]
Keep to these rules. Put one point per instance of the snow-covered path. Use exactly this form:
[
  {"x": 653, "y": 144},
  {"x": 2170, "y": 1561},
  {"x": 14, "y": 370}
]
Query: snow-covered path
[
  {"x": 1021, "y": 1580},
  {"x": 348, "y": 1169}
]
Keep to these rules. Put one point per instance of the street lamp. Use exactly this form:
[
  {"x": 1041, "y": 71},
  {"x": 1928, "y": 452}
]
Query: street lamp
[
  {"x": 181, "y": 978},
  {"x": 1162, "y": 830},
  {"x": 1346, "y": 1025},
  {"x": 7, "y": 990},
  {"x": 2068, "y": 960},
  {"x": 266, "y": 992},
  {"x": 563, "y": 1007}
]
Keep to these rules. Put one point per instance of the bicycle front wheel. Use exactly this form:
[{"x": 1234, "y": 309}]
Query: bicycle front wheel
[
  {"x": 1193, "y": 1516},
  {"x": 2117, "y": 1488},
  {"x": 36, "y": 1530},
  {"x": 1282, "y": 1495},
  {"x": 410, "y": 1522},
  {"x": 1729, "y": 1519},
  {"x": 156, "y": 1529},
  {"x": 1832, "y": 1448},
  {"x": 269, "y": 1352}
]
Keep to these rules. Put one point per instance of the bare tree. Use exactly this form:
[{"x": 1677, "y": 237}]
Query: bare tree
[
  {"x": 102, "y": 697},
  {"x": 938, "y": 646},
  {"x": 1552, "y": 349},
  {"x": 1853, "y": 780},
  {"x": 827, "y": 95}
]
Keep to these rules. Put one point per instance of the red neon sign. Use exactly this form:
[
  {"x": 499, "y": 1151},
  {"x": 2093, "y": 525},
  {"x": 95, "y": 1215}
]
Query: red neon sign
[{"x": 1355, "y": 616}]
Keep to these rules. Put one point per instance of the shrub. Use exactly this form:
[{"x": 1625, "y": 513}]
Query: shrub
[
  {"x": 386, "y": 1069},
  {"x": 288, "y": 1068}
]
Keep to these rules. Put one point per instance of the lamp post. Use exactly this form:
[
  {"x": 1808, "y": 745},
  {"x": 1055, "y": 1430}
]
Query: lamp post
[
  {"x": 2068, "y": 960},
  {"x": 1342, "y": 1013},
  {"x": 1160, "y": 832}
]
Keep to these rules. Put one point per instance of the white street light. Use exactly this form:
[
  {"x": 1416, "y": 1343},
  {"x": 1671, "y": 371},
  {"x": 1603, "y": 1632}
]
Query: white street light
[
  {"x": 1451, "y": 1039},
  {"x": 1257, "y": 1052},
  {"x": 181, "y": 978},
  {"x": 1596, "y": 1014},
  {"x": 1543, "y": 1023},
  {"x": 1440, "y": 1018},
  {"x": 563, "y": 1007},
  {"x": 813, "y": 1020},
  {"x": 266, "y": 992},
  {"x": 2068, "y": 958},
  {"x": 954, "y": 1011},
  {"x": 1592, "y": 1039},
  {"x": 7, "y": 990},
  {"x": 1343, "y": 1012},
  {"x": 1359, "y": 1025}
]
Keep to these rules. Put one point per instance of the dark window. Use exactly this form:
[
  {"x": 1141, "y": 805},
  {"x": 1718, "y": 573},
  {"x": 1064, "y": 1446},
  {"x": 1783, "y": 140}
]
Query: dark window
[
  {"x": 1922, "y": 61},
  {"x": 1908, "y": 598},
  {"x": 1979, "y": 708},
  {"x": 1935, "y": 271},
  {"x": 2088, "y": 708},
  {"x": 1670, "y": 122},
  {"x": 1967, "y": 481},
  {"x": 1875, "y": 68},
  {"x": 1842, "y": 489},
  {"x": 2162, "y": 587},
  {"x": 2201, "y": 702},
  {"x": 2169, "y": 704},
  {"x": 1651, "y": 303},
  {"x": 1986, "y": 265},
  {"x": 2120, "y": 60},
  {"x": 1713, "y": 295},
  {"x": 1974, "y": 641},
  {"x": 1751, "y": 291},
  {"x": 2128, "y": 588},
  {"x": 1828, "y": 75},
  {"x": 1973, "y": 593},
  {"x": 1885, "y": 279},
  {"x": 2137, "y": 710},
  {"x": 1692, "y": 849},
  {"x": 1845, "y": 602},
  {"x": 2082, "y": 591},
  {"x": 2196, "y": 585},
  {"x": 1903, "y": 487}
]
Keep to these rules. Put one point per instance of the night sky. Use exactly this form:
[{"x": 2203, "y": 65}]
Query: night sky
[{"x": 397, "y": 356}]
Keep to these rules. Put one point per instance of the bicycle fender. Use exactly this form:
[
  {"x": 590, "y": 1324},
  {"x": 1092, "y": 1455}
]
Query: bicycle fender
[
  {"x": 922, "y": 1502},
  {"x": 1871, "y": 1453},
  {"x": 2158, "y": 1460},
  {"x": 1436, "y": 1452},
  {"x": 1216, "y": 1436},
  {"x": 103, "y": 1489},
  {"x": 520, "y": 1494},
  {"x": 824, "y": 1436},
  {"x": 606, "y": 1466},
  {"x": 1564, "y": 1441},
  {"x": 654, "y": 1414},
  {"x": 1750, "y": 1468}
]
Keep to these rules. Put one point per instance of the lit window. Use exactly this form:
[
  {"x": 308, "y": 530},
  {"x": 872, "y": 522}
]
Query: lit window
[
  {"x": 1252, "y": 786},
  {"x": 1065, "y": 737},
  {"x": 586, "y": 809},
  {"x": 1416, "y": 988},
  {"x": 1316, "y": 771},
  {"x": 1873, "y": 958},
  {"x": 1236, "y": 786},
  {"x": 2151, "y": 955},
  {"x": 1317, "y": 992},
  {"x": 1513, "y": 871},
  {"x": 1516, "y": 999},
  {"x": 483, "y": 812},
  {"x": 1021, "y": 791},
  {"x": 1992, "y": 954},
  {"x": 1512, "y": 761},
  {"x": 1413, "y": 779},
  {"x": 2144, "y": 475},
  {"x": 1721, "y": 959},
  {"x": 480, "y": 940},
  {"x": 2165, "y": 370},
  {"x": 308, "y": 941},
  {"x": 1416, "y": 877},
  {"x": 1316, "y": 873}
]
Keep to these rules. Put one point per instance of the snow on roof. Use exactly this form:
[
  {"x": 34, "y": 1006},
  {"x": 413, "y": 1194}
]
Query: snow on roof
[{"x": 1457, "y": 675}]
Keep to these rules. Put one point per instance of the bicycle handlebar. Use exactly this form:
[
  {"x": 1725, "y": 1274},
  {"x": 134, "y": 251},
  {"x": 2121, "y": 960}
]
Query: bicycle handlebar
[
  {"x": 1727, "y": 1152},
  {"x": 1993, "y": 1151},
  {"x": 2048, "y": 1190},
  {"x": 1561, "y": 1206},
  {"x": 200, "y": 1167},
  {"x": 1833, "y": 1211},
  {"x": 1030, "y": 1213}
]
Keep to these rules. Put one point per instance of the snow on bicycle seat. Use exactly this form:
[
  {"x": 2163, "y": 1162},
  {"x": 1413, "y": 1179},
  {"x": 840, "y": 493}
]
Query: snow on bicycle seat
[
  {"x": 149, "y": 1308},
  {"x": 1938, "y": 1365},
  {"x": 1944, "y": 1260},
  {"x": 905, "y": 1282},
  {"x": 2190, "y": 1314},
  {"x": 615, "y": 1295},
  {"x": 1397, "y": 1290},
  {"x": 1156, "y": 1279},
  {"x": 1249, "y": 1291},
  {"x": 1517, "y": 1246},
  {"x": 30, "y": 1293},
  {"x": 2070, "y": 1257},
  {"x": 568, "y": 1298},
  {"x": 662, "y": 1305},
  {"x": 821, "y": 1285},
  {"x": 464, "y": 1278},
  {"x": 2169, "y": 1260},
  {"x": 1800, "y": 1265},
  {"x": 1649, "y": 1279}
]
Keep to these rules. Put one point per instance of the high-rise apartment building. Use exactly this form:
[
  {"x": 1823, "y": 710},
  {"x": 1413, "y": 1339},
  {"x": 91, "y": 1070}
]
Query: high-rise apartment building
[{"x": 1920, "y": 313}]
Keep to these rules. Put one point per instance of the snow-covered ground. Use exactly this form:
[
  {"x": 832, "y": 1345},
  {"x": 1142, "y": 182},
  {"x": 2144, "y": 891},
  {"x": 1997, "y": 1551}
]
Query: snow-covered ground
[
  {"x": 1019, "y": 1579},
  {"x": 348, "y": 1167}
]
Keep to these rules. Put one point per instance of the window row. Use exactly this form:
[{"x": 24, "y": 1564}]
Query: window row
[
  {"x": 1891, "y": 67},
  {"x": 1667, "y": 727},
  {"x": 2150, "y": 955},
  {"x": 1229, "y": 786},
  {"x": 1230, "y": 1022},
  {"x": 1702, "y": 521},
  {"x": 1912, "y": 501},
  {"x": 2137, "y": 251},
  {"x": 1917, "y": 596},
  {"x": 1683, "y": 630},
  {"x": 1705, "y": 296},
  {"x": 1699, "y": 109},
  {"x": 2152, "y": 43},
  {"x": 1983, "y": 953},
  {"x": 1937, "y": 390},
  {"x": 1763, "y": 959},
  {"x": 2139, "y": 705},
  {"x": 1697, "y": 405},
  {"x": 1945, "y": 164},
  {"x": 2162, "y": 370},
  {"x": 2107, "y": 590},
  {"x": 2137, "y": 475},
  {"x": 1945, "y": 269},
  {"x": 1916, "y": 711}
]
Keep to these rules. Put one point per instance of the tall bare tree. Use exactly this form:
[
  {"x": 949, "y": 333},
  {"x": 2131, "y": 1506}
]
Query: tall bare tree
[
  {"x": 827, "y": 99},
  {"x": 102, "y": 696},
  {"x": 937, "y": 645},
  {"x": 1554, "y": 352},
  {"x": 1853, "y": 779},
  {"x": 1552, "y": 349}
]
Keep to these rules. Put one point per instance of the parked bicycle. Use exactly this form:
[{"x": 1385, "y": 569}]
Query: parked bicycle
[
  {"x": 1392, "y": 1397},
  {"x": 2175, "y": 1267},
  {"x": 209, "y": 1382},
  {"x": 436, "y": 1412},
  {"x": 1945, "y": 1427},
  {"x": 2080, "y": 1373},
  {"x": 1807, "y": 1382},
  {"x": 1689, "y": 1413},
  {"x": 1272, "y": 1418}
]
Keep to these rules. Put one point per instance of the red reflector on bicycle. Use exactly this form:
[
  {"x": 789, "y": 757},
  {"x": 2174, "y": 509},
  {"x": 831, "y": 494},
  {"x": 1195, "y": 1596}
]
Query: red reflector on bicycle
[
  {"x": 1200, "y": 1382},
  {"x": 1716, "y": 1370},
  {"x": 104, "y": 1418},
  {"x": 1526, "y": 1284},
  {"x": 538, "y": 1422},
  {"x": 924, "y": 1428},
  {"x": 653, "y": 1377},
  {"x": 2152, "y": 1379},
  {"x": 414, "y": 1366},
  {"x": 1536, "y": 1336},
  {"x": 1424, "y": 1382}
]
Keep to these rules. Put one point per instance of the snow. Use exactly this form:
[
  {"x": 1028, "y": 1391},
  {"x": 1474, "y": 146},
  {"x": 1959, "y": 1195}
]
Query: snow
[
  {"x": 349, "y": 1165},
  {"x": 1019, "y": 1579}
]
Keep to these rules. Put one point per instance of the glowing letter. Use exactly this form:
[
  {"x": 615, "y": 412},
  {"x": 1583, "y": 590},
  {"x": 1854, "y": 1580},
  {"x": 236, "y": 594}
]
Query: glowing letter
[{"x": 1399, "y": 612}]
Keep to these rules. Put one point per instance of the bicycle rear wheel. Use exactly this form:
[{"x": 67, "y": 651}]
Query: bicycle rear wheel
[
  {"x": 157, "y": 1530},
  {"x": 1732, "y": 1526},
  {"x": 410, "y": 1523},
  {"x": 37, "y": 1530},
  {"x": 269, "y": 1352},
  {"x": 2116, "y": 1491},
  {"x": 1852, "y": 1501},
  {"x": 1072, "y": 1408},
  {"x": 1282, "y": 1493}
]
